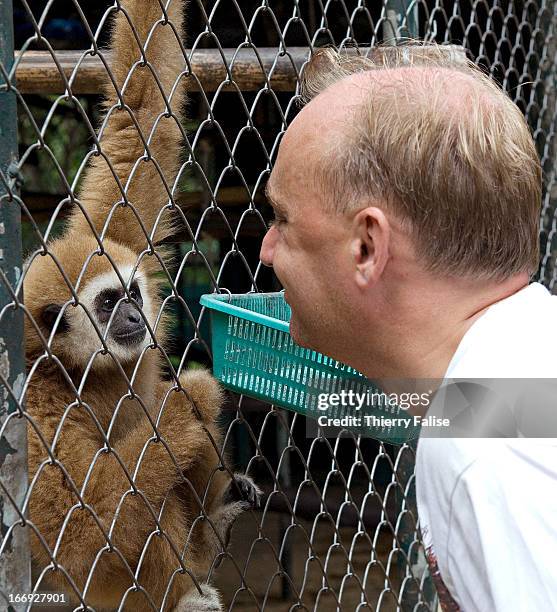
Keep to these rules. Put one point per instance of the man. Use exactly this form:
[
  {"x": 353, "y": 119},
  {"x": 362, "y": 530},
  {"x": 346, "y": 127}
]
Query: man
[{"x": 407, "y": 204}]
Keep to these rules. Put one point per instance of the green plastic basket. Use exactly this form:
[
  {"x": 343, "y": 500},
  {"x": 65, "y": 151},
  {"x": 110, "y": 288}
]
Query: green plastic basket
[{"x": 254, "y": 354}]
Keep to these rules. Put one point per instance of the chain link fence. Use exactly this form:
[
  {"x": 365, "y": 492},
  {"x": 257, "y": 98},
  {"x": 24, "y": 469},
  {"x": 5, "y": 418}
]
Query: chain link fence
[{"x": 336, "y": 527}]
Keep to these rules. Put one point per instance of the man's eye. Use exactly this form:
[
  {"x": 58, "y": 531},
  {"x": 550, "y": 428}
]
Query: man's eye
[{"x": 277, "y": 221}]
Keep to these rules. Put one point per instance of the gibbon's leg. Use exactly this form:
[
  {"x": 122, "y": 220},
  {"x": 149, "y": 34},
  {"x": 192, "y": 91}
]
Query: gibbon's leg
[
  {"x": 160, "y": 565},
  {"x": 160, "y": 569},
  {"x": 239, "y": 495},
  {"x": 137, "y": 35},
  {"x": 207, "y": 398},
  {"x": 205, "y": 483},
  {"x": 156, "y": 476},
  {"x": 160, "y": 573},
  {"x": 224, "y": 499}
]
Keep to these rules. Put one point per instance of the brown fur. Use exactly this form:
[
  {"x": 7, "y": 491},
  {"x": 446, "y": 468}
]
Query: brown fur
[{"x": 78, "y": 400}]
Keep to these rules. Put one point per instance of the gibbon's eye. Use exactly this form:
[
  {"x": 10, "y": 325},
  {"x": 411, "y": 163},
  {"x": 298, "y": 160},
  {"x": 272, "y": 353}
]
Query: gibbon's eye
[
  {"x": 108, "y": 300},
  {"x": 135, "y": 293}
]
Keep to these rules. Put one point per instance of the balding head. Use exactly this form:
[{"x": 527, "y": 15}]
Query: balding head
[{"x": 440, "y": 147}]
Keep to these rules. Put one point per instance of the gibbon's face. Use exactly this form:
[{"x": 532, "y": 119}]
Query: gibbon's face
[
  {"x": 121, "y": 320},
  {"x": 107, "y": 323}
]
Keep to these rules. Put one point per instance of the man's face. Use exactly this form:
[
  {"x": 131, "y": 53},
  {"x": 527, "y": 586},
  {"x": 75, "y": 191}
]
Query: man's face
[{"x": 307, "y": 247}]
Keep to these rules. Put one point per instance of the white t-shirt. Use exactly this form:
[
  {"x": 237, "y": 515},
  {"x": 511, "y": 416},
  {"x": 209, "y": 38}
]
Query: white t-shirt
[{"x": 488, "y": 507}]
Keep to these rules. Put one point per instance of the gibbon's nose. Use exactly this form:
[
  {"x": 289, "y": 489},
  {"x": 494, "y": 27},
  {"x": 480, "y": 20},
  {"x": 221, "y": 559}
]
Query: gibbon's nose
[
  {"x": 129, "y": 317},
  {"x": 128, "y": 326},
  {"x": 134, "y": 316}
]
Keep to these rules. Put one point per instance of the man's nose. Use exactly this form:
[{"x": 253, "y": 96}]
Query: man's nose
[{"x": 268, "y": 247}]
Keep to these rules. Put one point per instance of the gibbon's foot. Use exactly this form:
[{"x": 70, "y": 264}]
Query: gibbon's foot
[
  {"x": 243, "y": 489},
  {"x": 192, "y": 601}
]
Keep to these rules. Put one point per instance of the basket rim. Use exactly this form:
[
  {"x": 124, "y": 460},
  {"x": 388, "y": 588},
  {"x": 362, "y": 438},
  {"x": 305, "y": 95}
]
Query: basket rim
[{"x": 219, "y": 302}]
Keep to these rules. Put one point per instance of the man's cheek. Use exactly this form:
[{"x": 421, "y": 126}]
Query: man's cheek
[
  {"x": 279, "y": 274},
  {"x": 280, "y": 269}
]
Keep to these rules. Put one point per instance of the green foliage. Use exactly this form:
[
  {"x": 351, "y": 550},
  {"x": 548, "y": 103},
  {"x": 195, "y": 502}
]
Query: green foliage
[{"x": 66, "y": 138}]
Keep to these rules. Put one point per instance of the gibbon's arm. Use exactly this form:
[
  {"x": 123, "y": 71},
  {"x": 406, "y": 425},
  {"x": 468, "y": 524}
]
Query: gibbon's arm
[{"x": 145, "y": 107}]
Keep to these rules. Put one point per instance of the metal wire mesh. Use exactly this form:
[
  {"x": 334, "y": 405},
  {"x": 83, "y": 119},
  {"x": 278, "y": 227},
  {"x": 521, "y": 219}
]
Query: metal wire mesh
[{"x": 338, "y": 527}]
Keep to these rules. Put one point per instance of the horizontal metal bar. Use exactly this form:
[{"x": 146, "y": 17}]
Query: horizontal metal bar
[{"x": 249, "y": 70}]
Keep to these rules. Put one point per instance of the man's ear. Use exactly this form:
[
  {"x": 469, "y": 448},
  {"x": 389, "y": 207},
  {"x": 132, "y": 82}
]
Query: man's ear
[
  {"x": 49, "y": 315},
  {"x": 370, "y": 245}
]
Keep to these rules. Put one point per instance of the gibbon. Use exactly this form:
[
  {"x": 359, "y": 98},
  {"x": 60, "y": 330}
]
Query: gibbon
[{"x": 128, "y": 498}]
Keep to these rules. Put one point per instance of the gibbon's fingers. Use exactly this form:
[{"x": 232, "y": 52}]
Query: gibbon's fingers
[{"x": 240, "y": 495}]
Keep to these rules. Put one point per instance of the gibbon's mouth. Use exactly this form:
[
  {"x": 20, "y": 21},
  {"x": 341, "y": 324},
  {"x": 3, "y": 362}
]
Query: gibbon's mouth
[{"x": 133, "y": 337}]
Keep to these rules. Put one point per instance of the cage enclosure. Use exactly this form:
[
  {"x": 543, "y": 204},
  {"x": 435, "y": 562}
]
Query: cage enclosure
[{"x": 95, "y": 475}]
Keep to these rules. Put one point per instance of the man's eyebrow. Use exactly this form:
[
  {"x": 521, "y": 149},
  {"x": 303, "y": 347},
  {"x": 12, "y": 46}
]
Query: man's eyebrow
[{"x": 276, "y": 205}]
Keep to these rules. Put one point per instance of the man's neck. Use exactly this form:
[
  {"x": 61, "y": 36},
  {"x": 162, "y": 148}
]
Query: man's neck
[{"x": 419, "y": 340}]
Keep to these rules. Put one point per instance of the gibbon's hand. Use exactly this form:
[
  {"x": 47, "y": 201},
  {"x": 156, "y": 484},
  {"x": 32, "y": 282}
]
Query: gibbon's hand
[
  {"x": 205, "y": 392},
  {"x": 244, "y": 490},
  {"x": 186, "y": 413}
]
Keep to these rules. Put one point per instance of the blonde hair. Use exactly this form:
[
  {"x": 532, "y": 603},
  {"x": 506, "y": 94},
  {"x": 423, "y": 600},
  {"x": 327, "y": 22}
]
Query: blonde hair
[{"x": 446, "y": 151}]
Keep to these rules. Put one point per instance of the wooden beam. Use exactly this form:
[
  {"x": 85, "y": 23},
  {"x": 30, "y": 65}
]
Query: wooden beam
[
  {"x": 227, "y": 197},
  {"x": 38, "y": 73}
]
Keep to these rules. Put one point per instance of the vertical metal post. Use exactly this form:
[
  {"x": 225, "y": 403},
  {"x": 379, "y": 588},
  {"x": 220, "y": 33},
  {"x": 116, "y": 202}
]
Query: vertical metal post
[
  {"x": 15, "y": 568},
  {"x": 545, "y": 121},
  {"x": 401, "y": 21}
]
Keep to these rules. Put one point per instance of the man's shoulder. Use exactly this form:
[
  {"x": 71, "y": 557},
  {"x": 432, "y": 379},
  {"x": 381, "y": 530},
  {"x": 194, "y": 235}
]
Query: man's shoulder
[
  {"x": 498, "y": 460},
  {"x": 514, "y": 338}
]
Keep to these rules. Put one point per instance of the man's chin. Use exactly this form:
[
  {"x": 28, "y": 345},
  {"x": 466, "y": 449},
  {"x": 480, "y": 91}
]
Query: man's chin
[
  {"x": 307, "y": 340},
  {"x": 297, "y": 334}
]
